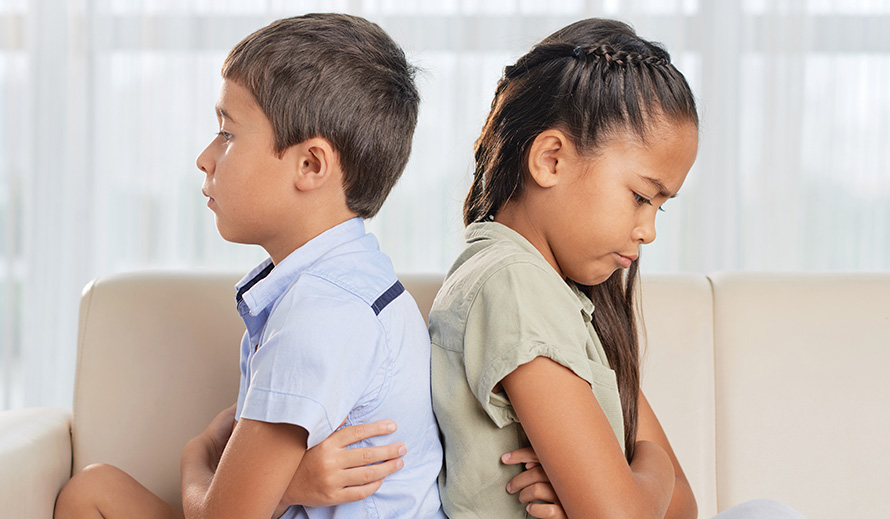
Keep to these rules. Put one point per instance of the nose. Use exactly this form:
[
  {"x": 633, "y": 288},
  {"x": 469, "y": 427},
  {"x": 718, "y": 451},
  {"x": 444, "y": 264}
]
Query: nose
[
  {"x": 204, "y": 160},
  {"x": 645, "y": 231}
]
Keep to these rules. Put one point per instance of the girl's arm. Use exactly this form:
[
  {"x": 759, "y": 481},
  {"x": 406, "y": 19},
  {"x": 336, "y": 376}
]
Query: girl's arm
[
  {"x": 682, "y": 504},
  {"x": 242, "y": 475},
  {"x": 579, "y": 451},
  {"x": 533, "y": 484}
]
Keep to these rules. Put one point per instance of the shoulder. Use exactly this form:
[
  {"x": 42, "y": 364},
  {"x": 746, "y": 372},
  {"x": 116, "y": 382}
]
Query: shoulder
[{"x": 504, "y": 282}]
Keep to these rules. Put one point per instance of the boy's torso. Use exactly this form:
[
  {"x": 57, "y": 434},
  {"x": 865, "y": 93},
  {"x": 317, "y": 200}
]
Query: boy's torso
[{"x": 332, "y": 336}]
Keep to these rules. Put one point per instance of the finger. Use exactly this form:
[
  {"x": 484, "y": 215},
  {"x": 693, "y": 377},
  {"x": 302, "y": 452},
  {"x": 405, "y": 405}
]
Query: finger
[
  {"x": 538, "y": 492},
  {"x": 358, "y": 492},
  {"x": 527, "y": 478},
  {"x": 371, "y": 473},
  {"x": 546, "y": 511},
  {"x": 523, "y": 455},
  {"x": 356, "y": 433},
  {"x": 362, "y": 456}
]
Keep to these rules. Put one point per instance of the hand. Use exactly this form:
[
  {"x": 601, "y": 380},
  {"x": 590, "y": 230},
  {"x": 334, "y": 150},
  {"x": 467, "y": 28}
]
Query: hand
[
  {"x": 532, "y": 484},
  {"x": 217, "y": 434},
  {"x": 330, "y": 474}
]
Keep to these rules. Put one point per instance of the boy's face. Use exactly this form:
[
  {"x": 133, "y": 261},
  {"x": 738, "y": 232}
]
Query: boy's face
[{"x": 247, "y": 183}]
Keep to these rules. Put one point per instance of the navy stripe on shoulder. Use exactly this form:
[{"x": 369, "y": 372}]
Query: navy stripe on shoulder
[{"x": 387, "y": 297}]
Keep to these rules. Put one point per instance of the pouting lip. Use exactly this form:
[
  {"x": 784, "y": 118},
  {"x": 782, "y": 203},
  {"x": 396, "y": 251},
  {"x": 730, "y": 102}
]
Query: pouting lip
[{"x": 632, "y": 257}]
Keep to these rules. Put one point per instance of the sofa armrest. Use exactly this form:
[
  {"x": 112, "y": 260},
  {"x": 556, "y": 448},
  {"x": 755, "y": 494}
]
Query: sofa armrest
[{"x": 35, "y": 460}]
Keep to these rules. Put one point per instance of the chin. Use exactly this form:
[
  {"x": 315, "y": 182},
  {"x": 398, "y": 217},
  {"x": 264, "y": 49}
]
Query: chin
[{"x": 592, "y": 278}]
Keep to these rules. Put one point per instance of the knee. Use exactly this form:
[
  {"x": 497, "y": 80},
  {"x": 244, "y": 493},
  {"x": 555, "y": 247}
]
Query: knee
[
  {"x": 761, "y": 509},
  {"x": 81, "y": 495}
]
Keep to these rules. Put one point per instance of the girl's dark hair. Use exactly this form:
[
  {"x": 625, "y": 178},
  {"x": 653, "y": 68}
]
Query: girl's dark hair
[{"x": 593, "y": 80}]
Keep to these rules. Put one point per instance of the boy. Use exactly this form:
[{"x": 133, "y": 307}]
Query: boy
[{"x": 316, "y": 117}]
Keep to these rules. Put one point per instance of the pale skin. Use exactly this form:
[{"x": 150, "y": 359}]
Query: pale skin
[
  {"x": 248, "y": 468},
  {"x": 587, "y": 216}
]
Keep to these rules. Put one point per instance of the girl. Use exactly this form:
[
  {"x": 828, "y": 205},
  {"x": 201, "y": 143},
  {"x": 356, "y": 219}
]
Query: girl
[{"x": 588, "y": 135}]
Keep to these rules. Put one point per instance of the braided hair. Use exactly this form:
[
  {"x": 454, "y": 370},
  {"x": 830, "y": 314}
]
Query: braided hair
[{"x": 593, "y": 80}]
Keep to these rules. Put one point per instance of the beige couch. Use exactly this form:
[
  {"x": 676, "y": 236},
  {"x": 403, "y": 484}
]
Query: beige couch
[{"x": 770, "y": 386}]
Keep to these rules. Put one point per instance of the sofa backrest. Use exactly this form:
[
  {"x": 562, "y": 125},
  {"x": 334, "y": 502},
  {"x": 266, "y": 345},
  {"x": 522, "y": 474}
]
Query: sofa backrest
[
  {"x": 768, "y": 386},
  {"x": 678, "y": 373},
  {"x": 157, "y": 360},
  {"x": 802, "y": 388}
]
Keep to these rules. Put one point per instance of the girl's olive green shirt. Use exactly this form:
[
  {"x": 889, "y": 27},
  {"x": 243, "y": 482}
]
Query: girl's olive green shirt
[{"x": 502, "y": 305}]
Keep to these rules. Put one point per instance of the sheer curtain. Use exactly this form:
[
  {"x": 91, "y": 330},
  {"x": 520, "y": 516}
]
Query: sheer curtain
[{"x": 104, "y": 105}]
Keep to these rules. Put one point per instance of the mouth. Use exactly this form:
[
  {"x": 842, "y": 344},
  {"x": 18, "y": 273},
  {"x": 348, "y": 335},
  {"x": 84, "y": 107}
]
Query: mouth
[{"x": 625, "y": 261}]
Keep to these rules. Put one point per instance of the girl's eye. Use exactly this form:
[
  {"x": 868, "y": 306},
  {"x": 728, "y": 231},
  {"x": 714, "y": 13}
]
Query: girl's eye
[
  {"x": 642, "y": 200},
  {"x": 225, "y": 135}
]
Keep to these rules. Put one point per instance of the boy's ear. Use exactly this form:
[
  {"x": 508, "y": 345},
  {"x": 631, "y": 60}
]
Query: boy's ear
[
  {"x": 548, "y": 148},
  {"x": 316, "y": 163}
]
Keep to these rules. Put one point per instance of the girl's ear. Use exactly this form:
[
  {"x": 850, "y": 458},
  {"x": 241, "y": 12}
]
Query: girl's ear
[
  {"x": 548, "y": 148},
  {"x": 315, "y": 162}
]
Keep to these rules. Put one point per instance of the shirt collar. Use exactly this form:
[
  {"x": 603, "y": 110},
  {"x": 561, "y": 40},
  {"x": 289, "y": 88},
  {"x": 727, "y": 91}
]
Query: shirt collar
[
  {"x": 265, "y": 284},
  {"x": 494, "y": 230}
]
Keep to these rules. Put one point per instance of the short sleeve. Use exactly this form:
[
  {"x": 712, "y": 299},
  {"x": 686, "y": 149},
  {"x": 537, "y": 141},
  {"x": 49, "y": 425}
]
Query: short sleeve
[
  {"x": 521, "y": 311},
  {"x": 322, "y": 354}
]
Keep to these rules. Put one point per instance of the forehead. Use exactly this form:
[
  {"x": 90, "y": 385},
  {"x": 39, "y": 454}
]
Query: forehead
[
  {"x": 662, "y": 160},
  {"x": 236, "y": 104}
]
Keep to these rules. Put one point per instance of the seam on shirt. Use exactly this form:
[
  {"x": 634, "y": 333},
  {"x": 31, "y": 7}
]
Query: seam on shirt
[
  {"x": 478, "y": 290},
  {"x": 282, "y": 393},
  {"x": 339, "y": 283},
  {"x": 536, "y": 349}
]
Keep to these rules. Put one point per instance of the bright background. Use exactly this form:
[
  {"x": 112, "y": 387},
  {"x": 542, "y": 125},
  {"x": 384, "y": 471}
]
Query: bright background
[{"x": 104, "y": 105}]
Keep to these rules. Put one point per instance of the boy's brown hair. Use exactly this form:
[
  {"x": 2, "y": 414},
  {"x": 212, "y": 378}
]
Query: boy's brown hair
[{"x": 341, "y": 78}]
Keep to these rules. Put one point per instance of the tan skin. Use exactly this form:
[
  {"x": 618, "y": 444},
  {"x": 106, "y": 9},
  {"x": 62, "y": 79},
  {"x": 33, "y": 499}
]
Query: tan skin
[{"x": 587, "y": 216}]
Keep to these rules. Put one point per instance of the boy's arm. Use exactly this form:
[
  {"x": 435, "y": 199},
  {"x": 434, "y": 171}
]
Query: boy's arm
[
  {"x": 331, "y": 473},
  {"x": 244, "y": 475}
]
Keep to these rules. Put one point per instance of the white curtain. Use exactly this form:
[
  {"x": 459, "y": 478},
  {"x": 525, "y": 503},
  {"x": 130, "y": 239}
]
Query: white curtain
[{"x": 104, "y": 105}]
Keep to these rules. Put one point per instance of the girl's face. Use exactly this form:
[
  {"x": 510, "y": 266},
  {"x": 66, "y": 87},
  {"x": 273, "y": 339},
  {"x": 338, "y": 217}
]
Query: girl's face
[{"x": 598, "y": 210}]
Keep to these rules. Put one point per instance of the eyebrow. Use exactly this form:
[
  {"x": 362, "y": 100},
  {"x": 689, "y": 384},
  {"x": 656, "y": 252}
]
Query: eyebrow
[
  {"x": 225, "y": 115},
  {"x": 662, "y": 191}
]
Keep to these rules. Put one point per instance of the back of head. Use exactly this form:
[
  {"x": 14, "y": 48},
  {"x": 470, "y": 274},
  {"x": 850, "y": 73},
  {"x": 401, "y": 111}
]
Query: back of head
[
  {"x": 591, "y": 79},
  {"x": 341, "y": 78}
]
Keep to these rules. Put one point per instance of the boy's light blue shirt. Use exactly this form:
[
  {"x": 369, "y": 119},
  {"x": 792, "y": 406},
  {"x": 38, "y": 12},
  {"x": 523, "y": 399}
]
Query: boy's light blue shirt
[{"x": 332, "y": 336}]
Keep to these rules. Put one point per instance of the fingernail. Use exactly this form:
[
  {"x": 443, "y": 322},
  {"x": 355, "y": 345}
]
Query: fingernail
[
  {"x": 403, "y": 450},
  {"x": 505, "y": 458},
  {"x": 391, "y": 426},
  {"x": 399, "y": 464},
  {"x": 509, "y": 488}
]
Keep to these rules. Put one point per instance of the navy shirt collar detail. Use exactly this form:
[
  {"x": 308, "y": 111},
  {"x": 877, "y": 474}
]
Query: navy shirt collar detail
[{"x": 258, "y": 290}]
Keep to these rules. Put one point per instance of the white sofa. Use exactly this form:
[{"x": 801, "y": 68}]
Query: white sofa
[{"x": 770, "y": 386}]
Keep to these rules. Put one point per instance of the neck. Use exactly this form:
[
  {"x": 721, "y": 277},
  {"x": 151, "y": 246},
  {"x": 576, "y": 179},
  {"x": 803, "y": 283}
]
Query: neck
[
  {"x": 302, "y": 231},
  {"x": 519, "y": 217}
]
